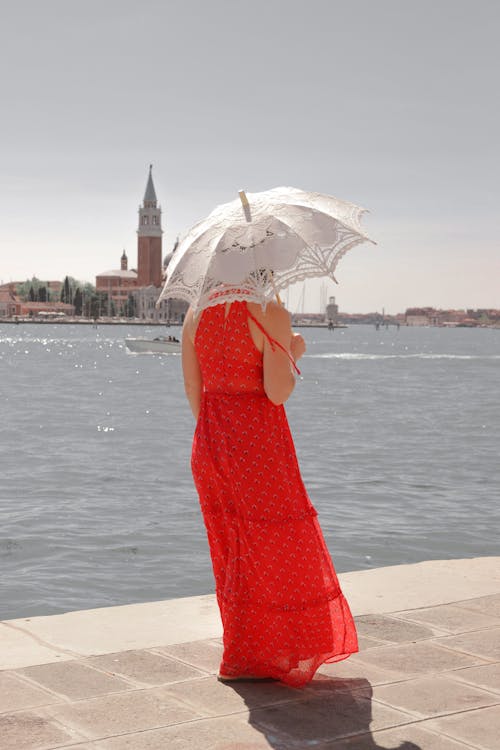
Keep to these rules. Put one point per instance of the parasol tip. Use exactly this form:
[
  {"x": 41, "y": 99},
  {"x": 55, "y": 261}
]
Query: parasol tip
[{"x": 243, "y": 199}]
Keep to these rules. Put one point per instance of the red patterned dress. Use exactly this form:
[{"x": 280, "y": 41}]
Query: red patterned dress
[{"x": 282, "y": 608}]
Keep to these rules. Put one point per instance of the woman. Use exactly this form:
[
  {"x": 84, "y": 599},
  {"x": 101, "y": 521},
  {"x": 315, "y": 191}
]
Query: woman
[{"x": 282, "y": 609}]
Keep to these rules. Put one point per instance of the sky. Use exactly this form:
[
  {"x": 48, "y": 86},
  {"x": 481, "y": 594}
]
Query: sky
[{"x": 390, "y": 104}]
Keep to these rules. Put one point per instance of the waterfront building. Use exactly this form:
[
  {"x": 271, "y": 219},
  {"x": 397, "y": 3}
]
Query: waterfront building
[
  {"x": 117, "y": 283},
  {"x": 149, "y": 264},
  {"x": 429, "y": 316},
  {"x": 172, "y": 310},
  {"x": 331, "y": 312},
  {"x": 10, "y": 304},
  {"x": 46, "y": 309},
  {"x": 149, "y": 238},
  {"x": 143, "y": 284}
]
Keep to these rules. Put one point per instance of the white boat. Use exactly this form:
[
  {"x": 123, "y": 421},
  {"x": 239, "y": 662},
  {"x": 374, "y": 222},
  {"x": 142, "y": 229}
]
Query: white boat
[{"x": 159, "y": 345}]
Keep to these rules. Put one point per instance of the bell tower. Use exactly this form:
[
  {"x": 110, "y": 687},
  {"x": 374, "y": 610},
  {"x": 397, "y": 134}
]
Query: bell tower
[{"x": 149, "y": 238}]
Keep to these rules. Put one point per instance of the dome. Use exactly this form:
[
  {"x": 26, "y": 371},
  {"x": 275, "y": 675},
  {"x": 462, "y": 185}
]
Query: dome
[{"x": 168, "y": 256}]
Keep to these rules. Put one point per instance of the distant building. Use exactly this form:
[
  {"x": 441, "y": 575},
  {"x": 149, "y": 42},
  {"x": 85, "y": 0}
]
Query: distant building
[
  {"x": 46, "y": 309},
  {"x": 417, "y": 320},
  {"x": 429, "y": 316},
  {"x": 172, "y": 310},
  {"x": 149, "y": 236},
  {"x": 144, "y": 284},
  {"x": 10, "y": 304},
  {"x": 118, "y": 283},
  {"x": 331, "y": 312},
  {"x": 421, "y": 316}
]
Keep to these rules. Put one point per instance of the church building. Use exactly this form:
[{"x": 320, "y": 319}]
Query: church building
[{"x": 144, "y": 283}]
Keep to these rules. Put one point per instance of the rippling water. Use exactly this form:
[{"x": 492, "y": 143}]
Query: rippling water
[{"x": 397, "y": 434}]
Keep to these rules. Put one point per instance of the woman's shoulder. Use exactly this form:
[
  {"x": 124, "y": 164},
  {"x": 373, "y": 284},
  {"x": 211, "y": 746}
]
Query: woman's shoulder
[
  {"x": 275, "y": 318},
  {"x": 272, "y": 312}
]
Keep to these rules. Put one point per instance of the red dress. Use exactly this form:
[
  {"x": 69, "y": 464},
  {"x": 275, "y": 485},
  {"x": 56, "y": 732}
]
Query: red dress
[{"x": 281, "y": 605}]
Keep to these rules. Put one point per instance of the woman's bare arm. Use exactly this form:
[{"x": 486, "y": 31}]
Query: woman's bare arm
[
  {"x": 193, "y": 384},
  {"x": 279, "y": 379}
]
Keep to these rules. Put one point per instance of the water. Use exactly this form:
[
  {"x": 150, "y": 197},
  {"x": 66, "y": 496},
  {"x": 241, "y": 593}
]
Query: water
[{"x": 397, "y": 434}]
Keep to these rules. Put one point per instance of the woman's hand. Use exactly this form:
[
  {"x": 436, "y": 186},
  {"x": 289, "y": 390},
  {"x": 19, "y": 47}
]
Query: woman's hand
[{"x": 297, "y": 346}]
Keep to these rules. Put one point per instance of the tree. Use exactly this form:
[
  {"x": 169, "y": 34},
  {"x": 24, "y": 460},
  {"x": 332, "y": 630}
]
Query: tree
[
  {"x": 130, "y": 308},
  {"x": 78, "y": 301},
  {"x": 88, "y": 292},
  {"x": 42, "y": 294},
  {"x": 98, "y": 304},
  {"x": 66, "y": 292},
  {"x": 31, "y": 294},
  {"x": 23, "y": 289}
]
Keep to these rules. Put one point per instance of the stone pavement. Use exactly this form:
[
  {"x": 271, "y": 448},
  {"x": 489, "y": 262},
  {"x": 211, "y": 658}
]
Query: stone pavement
[{"x": 426, "y": 678}]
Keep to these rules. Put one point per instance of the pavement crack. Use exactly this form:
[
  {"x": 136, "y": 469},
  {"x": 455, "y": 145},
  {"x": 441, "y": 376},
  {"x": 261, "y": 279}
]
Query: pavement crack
[{"x": 41, "y": 641}]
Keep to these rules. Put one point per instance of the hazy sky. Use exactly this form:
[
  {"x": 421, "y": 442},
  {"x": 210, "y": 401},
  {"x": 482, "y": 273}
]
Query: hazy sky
[{"x": 391, "y": 104}]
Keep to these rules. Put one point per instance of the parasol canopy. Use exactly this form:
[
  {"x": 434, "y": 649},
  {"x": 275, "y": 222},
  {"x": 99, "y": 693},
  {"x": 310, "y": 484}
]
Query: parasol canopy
[{"x": 261, "y": 243}]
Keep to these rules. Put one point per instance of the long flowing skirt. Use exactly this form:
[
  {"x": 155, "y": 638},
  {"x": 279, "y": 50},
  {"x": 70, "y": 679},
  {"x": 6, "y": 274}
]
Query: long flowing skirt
[{"x": 281, "y": 605}]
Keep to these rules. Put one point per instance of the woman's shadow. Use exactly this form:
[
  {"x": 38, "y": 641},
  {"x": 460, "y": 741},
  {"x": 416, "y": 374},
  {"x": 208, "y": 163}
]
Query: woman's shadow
[{"x": 327, "y": 711}]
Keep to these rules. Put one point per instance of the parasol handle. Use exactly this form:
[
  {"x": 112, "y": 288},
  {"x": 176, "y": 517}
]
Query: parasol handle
[
  {"x": 276, "y": 293},
  {"x": 243, "y": 199},
  {"x": 246, "y": 209},
  {"x": 245, "y": 204}
]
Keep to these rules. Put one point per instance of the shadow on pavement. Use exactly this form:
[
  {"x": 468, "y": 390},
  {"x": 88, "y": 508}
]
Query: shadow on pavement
[{"x": 328, "y": 711}]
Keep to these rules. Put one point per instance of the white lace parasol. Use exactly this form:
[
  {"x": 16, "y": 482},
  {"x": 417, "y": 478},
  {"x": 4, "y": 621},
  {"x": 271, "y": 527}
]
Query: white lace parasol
[{"x": 261, "y": 243}]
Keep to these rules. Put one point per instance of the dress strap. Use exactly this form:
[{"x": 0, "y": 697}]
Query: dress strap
[{"x": 272, "y": 342}]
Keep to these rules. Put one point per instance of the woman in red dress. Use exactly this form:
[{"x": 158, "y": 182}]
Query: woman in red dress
[{"x": 281, "y": 605}]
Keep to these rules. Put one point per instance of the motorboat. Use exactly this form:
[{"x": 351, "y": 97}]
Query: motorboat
[{"x": 158, "y": 345}]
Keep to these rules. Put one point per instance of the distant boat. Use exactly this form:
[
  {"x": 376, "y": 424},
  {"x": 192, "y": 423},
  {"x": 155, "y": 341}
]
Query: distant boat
[{"x": 159, "y": 345}]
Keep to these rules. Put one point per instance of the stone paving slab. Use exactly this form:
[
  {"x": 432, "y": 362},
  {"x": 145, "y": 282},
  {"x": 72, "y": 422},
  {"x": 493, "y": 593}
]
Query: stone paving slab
[
  {"x": 486, "y": 676},
  {"x": 204, "y": 654},
  {"x": 480, "y": 728},
  {"x": 118, "y": 713},
  {"x": 451, "y": 617},
  {"x": 411, "y": 659},
  {"x": 366, "y": 641},
  {"x": 325, "y": 717},
  {"x": 428, "y": 697},
  {"x": 144, "y": 667},
  {"x": 217, "y": 733},
  {"x": 74, "y": 680},
  {"x": 489, "y": 605},
  {"x": 409, "y": 737},
  {"x": 30, "y": 731},
  {"x": 425, "y": 679},
  {"x": 355, "y": 668},
  {"x": 212, "y": 698},
  {"x": 393, "y": 630},
  {"x": 17, "y": 694},
  {"x": 483, "y": 643}
]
